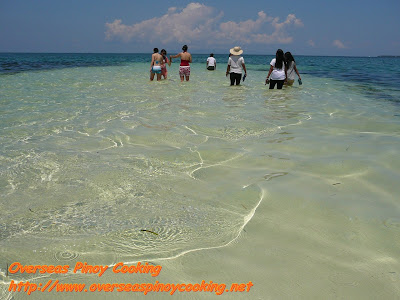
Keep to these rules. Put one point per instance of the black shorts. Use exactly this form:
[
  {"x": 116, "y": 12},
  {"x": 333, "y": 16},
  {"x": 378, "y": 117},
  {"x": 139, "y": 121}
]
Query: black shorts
[
  {"x": 279, "y": 84},
  {"x": 210, "y": 68},
  {"x": 235, "y": 77}
]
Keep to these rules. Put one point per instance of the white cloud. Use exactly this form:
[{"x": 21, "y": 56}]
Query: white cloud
[
  {"x": 200, "y": 24},
  {"x": 290, "y": 19},
  {"x": 339, "y": 44},
  {"x": 250, "y": 31},
  {"x": 178, "y": 26}
]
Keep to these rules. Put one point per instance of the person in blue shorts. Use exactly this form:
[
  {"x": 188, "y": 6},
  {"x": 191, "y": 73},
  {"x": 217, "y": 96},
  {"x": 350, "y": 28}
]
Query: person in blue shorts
[{"x": 155, "y": 66}]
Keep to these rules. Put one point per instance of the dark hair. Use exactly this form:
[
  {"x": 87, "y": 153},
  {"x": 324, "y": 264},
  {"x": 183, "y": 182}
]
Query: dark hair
[
  {"x": 212, "y": 55},
  {"x": 155, "y": 50},
  {"x": 162, "y": 53},
  {"x": 184, "y": 48},
  {"x": 280, "y": 59},
  {"x": 289, "y": 58}
]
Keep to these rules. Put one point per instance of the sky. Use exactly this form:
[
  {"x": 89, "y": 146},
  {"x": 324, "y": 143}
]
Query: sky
[{"x": 308, "y": 27}]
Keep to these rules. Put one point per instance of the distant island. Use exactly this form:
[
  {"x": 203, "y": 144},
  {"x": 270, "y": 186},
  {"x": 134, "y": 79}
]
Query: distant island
[{"x": 388, "y": 55}]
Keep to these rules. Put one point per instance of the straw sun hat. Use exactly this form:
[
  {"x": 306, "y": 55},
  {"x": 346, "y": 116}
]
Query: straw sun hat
[{"x": 236, "y": 50}]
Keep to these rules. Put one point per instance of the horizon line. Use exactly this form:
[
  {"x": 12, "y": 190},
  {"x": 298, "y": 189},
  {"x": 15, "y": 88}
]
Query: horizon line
[{"x": 29, "y": 52}]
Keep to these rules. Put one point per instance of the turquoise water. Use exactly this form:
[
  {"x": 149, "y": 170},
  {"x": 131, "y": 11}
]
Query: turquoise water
[{"x": 93, "y": 154}]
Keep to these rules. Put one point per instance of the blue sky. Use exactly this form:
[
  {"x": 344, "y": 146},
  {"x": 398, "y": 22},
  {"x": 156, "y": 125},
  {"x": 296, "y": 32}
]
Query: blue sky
[{"x": 320, "y": 27}]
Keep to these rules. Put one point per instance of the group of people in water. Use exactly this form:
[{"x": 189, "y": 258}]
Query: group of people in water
[
  {"x": 281, "y": 72},
  {"x": 159, "y": 62}
]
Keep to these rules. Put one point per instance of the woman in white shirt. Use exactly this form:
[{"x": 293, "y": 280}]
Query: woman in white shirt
[
  {"x": 291, "y": 68},
  {"x": 277, "y": 71},
  {"x": 236, "y": 66}
]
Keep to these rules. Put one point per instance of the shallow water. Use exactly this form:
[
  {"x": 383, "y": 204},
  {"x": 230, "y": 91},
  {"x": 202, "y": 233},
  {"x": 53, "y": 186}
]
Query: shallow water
[{"x": 92, "y": 155}]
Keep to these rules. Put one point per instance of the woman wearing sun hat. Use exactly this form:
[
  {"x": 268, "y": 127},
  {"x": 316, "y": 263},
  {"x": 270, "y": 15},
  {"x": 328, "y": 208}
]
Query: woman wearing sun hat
[{"x": 236, "y": 65}]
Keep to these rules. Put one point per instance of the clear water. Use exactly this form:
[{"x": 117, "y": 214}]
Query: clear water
[{"x": 92, "y": 153}]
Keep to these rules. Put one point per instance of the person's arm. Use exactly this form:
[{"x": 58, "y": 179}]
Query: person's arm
[
  {"x": 152, "y": 62},
  {"x": 228, "y": 68},
  {"x": 285, "y": 74},
  {"x": 168, "y": 61},
  {"x": 215, "y": 64},
  {"x": 243, "y": 66},
  {"x": 297, "y": 72},
  {"x": 269, "y": 73},
  {"x": 190, "y": 58},
  {"x": 174, "y": 56},
  {"x": 207, "y": 64}
]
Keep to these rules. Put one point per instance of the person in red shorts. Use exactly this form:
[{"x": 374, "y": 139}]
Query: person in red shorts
[{"x": 186, "y": 59}]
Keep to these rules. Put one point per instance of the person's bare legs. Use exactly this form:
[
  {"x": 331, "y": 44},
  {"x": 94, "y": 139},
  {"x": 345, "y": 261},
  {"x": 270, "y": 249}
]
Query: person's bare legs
[
  {"x": 187, "y": 78},
  {"x": 182, "y": 77},
  {"x": 158, "y": 77},
  {"x": 151, "y": 76}
]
